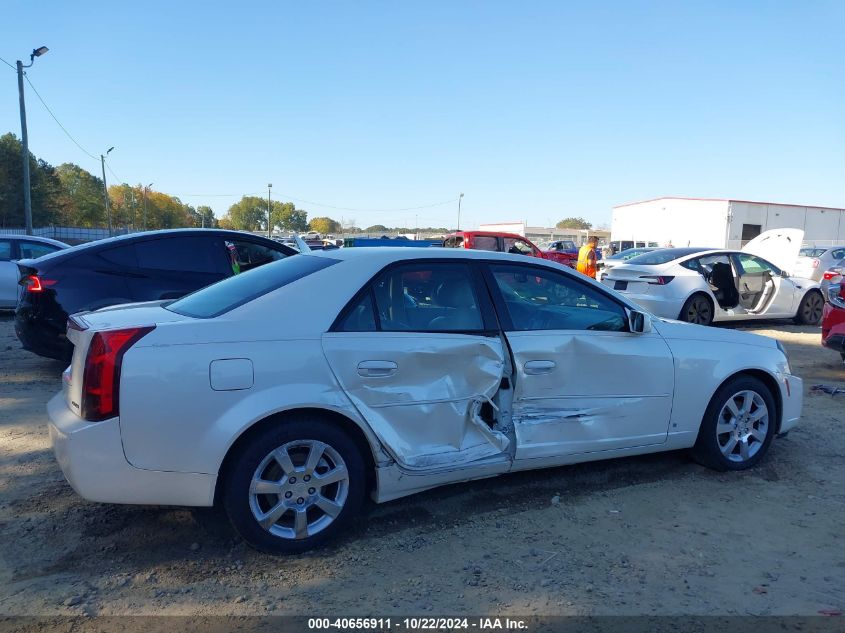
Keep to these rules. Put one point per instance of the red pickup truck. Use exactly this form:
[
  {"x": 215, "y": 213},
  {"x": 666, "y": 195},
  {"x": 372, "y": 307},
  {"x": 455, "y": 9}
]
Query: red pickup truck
[{"x": 505, "y": 243}]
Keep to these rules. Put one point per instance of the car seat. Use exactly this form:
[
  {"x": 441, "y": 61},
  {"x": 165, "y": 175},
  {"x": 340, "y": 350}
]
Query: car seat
[
  {"x": 721, "y": 277},
  {"x": 457, "y": 298}
]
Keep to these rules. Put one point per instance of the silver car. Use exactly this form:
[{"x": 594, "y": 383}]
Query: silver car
[
  {"x": 13, "y": 248},
  {"x": 813, "y": 261}
]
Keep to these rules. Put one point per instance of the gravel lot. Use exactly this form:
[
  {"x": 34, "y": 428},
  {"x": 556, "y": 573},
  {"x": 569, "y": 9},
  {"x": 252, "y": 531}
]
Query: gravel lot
[{"x": 648, "y": 535}]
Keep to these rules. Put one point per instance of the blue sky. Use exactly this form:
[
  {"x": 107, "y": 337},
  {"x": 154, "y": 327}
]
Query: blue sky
[{"x": 535, "y": 110}]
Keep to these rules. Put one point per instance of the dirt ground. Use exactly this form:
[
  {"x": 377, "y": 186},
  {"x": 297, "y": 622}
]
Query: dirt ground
[{"x": 646, "y": 535}]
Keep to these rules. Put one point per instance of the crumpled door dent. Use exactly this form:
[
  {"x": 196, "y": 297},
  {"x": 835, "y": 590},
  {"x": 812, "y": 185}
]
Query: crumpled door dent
[{"x": 427, "y": 413}]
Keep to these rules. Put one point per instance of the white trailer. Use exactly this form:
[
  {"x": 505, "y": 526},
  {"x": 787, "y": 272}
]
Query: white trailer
[{"x": 720, "y": 223}]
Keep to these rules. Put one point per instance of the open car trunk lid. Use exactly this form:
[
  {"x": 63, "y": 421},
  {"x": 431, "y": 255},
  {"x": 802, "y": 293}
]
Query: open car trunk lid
[{"x": 778, "y": 246}]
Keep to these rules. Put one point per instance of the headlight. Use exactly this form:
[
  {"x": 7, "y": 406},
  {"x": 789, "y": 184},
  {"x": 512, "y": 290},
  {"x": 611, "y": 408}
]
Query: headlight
[{"x": 785, "y": 356}]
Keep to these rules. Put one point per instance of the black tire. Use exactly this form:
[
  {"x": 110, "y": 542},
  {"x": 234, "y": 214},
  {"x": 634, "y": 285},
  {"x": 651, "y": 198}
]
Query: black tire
[
  {"x": 810, "y": 309},
  {"x": 708, "y": 449},
  {"x": 697, "y": 309},
  {"x": 239, "y": 502}
]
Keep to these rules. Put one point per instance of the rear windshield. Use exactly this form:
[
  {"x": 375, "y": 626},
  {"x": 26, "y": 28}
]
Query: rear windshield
[
  {"x": 233, "y": 292},
  {"x": 811, "y": 252},
  {"x": 663, "y": 256}
]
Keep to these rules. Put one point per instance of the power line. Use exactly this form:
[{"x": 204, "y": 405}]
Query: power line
[
  {"x": 8, "y": 64},
  {"x": 75, "y": 142}
]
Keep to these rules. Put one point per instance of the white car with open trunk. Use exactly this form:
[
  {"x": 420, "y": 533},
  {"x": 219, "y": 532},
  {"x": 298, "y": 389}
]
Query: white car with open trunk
[
  {"x": 701, "y": 285},
  {"x": 288, "y": 393}
]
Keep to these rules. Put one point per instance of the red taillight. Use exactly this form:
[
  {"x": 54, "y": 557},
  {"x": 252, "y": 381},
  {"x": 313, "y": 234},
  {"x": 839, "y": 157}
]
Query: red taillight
[
  {"x": 34, "y": 283},
  {"x": 829, "y": 275},
  {"x": 659, "y": 280},
  {"x": 101, "y": 379}
]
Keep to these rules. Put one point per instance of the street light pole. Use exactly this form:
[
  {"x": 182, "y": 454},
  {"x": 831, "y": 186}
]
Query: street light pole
[
  {"x": 149, "y": 186},
  {"x": 27, "y": 194},
  {"x": 460, "y": 197},
  {"x": 269, "y": 212},
  {"x": 106, "y": 189}
]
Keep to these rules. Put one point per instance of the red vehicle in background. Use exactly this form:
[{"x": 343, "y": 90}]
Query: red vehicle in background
[
  {"x": 833, "y": 316},
  {"x": 504, "y": 243}
]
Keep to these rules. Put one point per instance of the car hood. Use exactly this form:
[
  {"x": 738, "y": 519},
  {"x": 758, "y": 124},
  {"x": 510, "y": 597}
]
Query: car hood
[
  {"x": 778, "y": 246},
  {"x": 678, "y": 330}
]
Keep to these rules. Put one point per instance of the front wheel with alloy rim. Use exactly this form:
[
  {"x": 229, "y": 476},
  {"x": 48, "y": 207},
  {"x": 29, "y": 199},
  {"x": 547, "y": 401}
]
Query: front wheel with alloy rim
[
  {"x": 697, "y": 309},
  {"x": 810, "y": 309},
  {"x": 738, "y": 426},
  {"x": 294, "y": 485}
]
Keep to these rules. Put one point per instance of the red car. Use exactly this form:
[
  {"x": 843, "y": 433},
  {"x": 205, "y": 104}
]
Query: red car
[
  {"x": 833, "y": 318},
  {"x": 503, "y": 243}
]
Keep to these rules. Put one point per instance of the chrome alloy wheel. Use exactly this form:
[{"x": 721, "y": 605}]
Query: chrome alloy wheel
[
  {"x": 299, "y": 489},
  {"x": 742, "y": 426}
]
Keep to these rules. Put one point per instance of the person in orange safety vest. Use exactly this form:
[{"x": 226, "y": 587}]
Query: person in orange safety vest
[{"x": 587, "y": 257}]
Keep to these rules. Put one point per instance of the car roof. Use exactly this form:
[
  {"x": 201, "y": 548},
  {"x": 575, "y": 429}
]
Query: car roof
[
  {"x": 141, "y": 236},
  {"x": 490, "y": 233},
  {"x": 387, "y": 254},
  {"x": 34, "y": 238}
]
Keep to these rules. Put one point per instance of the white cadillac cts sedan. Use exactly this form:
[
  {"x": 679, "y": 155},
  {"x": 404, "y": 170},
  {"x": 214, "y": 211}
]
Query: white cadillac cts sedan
[{"x": 288, "y": 393}]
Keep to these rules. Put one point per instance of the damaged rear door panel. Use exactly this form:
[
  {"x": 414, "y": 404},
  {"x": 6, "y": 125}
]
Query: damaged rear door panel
[
  {"x": 423, "y": 393},
  {"x": 417, "y": 353}
]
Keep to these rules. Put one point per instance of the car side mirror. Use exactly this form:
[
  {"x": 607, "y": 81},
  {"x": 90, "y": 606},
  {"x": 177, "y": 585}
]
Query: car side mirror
[
  {"x": 784, "y": 274},
  {"x": 639, "y": 322}
]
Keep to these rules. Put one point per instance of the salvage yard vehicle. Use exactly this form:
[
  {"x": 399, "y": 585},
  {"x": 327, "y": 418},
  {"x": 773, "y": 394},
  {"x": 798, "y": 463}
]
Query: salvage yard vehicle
[
  {"x": 701, "y": 286},
  {"x": 409, "y": 369},
  {"x": 13, "y": 248},
  {"x": 620, "y": 258},
  {"x": 813, "y": 261},
  {"x": 833, "y": 320},
  {"x": 505, "y": 243},
  {"x": 145, "y": 266}
]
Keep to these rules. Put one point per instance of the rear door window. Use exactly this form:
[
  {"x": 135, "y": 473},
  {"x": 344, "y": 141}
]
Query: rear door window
[
  {"x": 194, "y": 254},
  {"x": 5, "y": 250},
  {"x": 246, "y": 254},
  {"x": 123, "y": 256},
  {"x": 485, "y": 243},
  {"x": 34, "y": 250}
]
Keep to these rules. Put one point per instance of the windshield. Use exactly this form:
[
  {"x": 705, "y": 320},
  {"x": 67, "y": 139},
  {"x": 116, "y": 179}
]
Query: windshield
[
  {"x": 233, "y": 292},
  {"x": 811, "y": 252},
  {"x": 663, "y": 256}
]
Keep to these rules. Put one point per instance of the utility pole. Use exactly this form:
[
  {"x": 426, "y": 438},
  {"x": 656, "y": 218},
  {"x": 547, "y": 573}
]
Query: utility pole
[
  {"x": 269, "y": 212},
  {"x": 106, "y": 189},
  {"x": 27, "y": 194},
  {"x": 460, "y": 197},
  {"x": 145, "y": 204}
]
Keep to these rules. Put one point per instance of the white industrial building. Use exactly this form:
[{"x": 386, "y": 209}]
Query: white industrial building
[
  {"x": 722, "y": 223},
  {"x": 539, "y": 234}
]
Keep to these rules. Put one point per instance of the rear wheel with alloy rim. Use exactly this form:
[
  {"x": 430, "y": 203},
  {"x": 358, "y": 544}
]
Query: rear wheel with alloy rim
[
  {"x": 810, "y": 309},
  {"x": 294, "y": 485},
  {"x": 697, "y": 309},
  {"x": 738, "y": 426}
]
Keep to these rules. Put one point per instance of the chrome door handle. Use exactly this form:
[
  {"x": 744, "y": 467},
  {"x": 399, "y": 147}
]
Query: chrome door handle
[
  {"x": 536, "y": 367},
  {"x": 377, "y": 368}
]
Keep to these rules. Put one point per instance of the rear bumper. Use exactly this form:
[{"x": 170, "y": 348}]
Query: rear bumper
[
  {"x": 91, "y": 457},
  {"x": 41, "y": 337},
  {"x": 666, "y": 307}
]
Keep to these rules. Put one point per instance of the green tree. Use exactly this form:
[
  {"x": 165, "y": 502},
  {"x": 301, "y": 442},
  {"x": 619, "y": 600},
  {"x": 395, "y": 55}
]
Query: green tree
[
  {"x": 377, "y": 228},
  {"x": 84, "y": 194},
  {"x": 324, "y": 225},
  {"x": 48, "y": 201},
  {"x": 288, "y": 218},
  {"x": 206, "y": 217},
  {"x": 249, "y": 214},
  {"x": 574, "y": 223}
]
